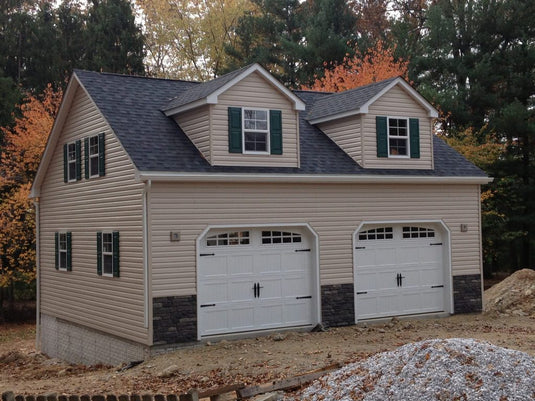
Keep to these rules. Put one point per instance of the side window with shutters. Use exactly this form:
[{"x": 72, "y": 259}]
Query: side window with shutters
[
  {"x": 108, "y": 254},
  {"x": 63, "y": 251},
  {"x": 397, "y": 137},
  {"x": 254, "y": 131},
  {"x": 72, "y": 161},
  {"x": 94, "y": 156}
]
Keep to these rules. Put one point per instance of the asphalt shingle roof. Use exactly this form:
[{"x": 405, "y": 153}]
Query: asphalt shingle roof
[
  {"x": 202, "y": 90},
  {"x": 132, "y": 106},
  {"x": 349, "y": 100}
]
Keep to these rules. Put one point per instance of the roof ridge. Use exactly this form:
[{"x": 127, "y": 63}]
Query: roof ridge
[{"x": 134, "y": 76}]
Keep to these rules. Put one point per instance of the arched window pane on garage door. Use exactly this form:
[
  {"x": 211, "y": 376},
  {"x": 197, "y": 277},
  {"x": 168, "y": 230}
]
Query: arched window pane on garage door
[
  {"x": 230, "y": 238},
  {"x": 376, "y": 233},
  {"x": 418, "y": 232}
]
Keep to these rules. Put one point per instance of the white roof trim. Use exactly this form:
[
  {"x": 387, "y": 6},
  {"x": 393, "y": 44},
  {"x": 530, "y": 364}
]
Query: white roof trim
[
  {"x": 186, "y": 107},
  {"x": 213, "y": 97},
  {"x": 64, "y": 108},
  {"x": 431, "y": 111},
  {"x": 307, "y": 178}
]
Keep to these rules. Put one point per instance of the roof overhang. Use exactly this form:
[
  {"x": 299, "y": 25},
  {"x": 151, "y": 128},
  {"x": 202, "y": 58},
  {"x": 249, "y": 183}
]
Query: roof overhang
[
  {"x": 308, "y": 178},
  {"x": 52, "y": 140},
  {"x": 431, "y": 111},
  {"x": 212, "y": 98}
]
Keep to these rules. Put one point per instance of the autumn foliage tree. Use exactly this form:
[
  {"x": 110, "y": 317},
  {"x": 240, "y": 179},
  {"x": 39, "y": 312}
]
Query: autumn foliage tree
[
  {"x": 376, "y": 64},
  {"x": 19, "y": 160}
]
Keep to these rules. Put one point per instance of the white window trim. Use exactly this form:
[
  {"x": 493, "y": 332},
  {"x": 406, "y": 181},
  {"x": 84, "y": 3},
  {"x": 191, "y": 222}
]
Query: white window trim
[
  {"x": 408, "y": 155},
  {"x": 107, "y": 253},
  {"x": 94, "y": 156},
  {"x": 60, "y": 251},
  {"x": 75, "y": 161},
  {"x": 267, "y": 131}
]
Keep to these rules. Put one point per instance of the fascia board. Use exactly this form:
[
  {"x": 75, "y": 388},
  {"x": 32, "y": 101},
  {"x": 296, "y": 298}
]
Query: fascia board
[
  {"x": 431, "y": 111},
  {"x": 186, "y": 107},
  {"x": 52, "y": 140},
  {"x": 296, "y": 178},
  {"x": 298, "y": 103}
]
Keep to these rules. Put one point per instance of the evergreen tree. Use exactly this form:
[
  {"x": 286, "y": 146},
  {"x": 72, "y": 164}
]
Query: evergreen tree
[
  {"x": 329, "y": 32},
  {"x": 114, "y": 41},
  {"x": 269, "y": 35}
]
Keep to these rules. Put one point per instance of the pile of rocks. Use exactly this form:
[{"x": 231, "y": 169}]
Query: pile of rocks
[{"x": 453, "y": 369}]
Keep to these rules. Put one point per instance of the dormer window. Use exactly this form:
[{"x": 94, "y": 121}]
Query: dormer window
[
  {"x": 255, "y": 131},
  {"x": 398, "y": 137}
]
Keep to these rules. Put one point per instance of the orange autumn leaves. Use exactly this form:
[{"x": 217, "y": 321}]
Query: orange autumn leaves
[
  {"x": 375, "y": 65},
  {"x": 19, "y": 159}
]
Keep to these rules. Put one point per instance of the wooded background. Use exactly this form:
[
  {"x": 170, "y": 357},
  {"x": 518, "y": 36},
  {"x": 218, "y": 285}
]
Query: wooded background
[{"x": 474, "y": 60}]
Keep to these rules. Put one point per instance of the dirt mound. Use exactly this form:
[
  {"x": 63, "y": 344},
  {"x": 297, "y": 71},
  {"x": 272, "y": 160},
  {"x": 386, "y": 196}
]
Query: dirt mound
[
  {"x": 453, "y": 369},
  {"x": 513, "y": 296}
]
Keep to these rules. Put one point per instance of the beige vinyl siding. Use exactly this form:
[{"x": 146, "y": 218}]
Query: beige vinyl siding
[
  {"x": 110, "y": 203},
  {"x": 397, "y": 103},
  {"x": 334, "y": 211},
  {"x": 256, "y": 92},
  {"x": 196, "y": 124},
  {"x": 346, "y": 133}
]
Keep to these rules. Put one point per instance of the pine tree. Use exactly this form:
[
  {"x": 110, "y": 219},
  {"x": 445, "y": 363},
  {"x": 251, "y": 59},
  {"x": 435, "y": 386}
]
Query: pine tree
[{"x": 114, "y": 40}]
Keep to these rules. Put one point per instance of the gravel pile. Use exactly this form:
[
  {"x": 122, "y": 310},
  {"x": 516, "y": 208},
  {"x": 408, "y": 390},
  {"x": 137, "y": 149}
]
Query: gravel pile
[
  {"x": 453, "y": 369},
  {"x": 513, "y": 296}
]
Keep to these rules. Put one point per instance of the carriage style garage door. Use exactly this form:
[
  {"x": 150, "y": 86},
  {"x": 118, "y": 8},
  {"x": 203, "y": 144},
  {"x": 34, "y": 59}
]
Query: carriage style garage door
[
  {"x": 399, "y": 270},
  {"x": 255, "y": 279}
]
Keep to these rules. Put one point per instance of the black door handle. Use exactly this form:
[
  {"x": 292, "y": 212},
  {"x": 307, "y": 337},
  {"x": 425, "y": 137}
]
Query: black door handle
[{"x": 254, "y": 289}]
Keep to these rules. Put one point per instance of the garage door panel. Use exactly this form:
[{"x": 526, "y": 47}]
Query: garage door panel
[
  {"x": 240, "y": 290},
  {"x": 298, "y": 313},
  {"x": 240, "y": 318},
  {"x": 240, "y": 265},
  {"x": 267, "y": 263},
  {"x": 296, "y": 286},
  {"x": 397, "y": 273},
  {"x": 255, "y": 286},
  {"x": 214, "y": 266}
]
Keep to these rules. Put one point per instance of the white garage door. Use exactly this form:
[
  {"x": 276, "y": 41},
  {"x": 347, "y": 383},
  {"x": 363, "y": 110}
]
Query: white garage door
[
  {"x": 399, "y": 270},
  {"x": 255, "y": 279}
]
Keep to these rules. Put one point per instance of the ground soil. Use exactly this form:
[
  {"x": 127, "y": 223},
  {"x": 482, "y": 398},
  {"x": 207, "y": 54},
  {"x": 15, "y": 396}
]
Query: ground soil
[
  {"x": 262, "y": 359},
  {"x": 255, "y": 360}
]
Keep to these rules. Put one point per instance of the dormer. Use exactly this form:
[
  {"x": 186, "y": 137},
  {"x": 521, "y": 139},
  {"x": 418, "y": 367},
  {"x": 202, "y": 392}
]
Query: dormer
[
  {"x": 244, "y": 118},
  {"x": 387, "y": 124}
]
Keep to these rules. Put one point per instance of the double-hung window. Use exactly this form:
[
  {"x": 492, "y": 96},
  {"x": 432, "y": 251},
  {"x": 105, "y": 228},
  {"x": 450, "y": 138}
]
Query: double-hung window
[
  {"x": 63, "y": 254},
  {"x": 398, "y": 137},
  {"x": 255, "y": 131},
  {"x": 72, "y": 161},
  {"x": 94, "y": 156},
  {"x": 108, "y": 254}
]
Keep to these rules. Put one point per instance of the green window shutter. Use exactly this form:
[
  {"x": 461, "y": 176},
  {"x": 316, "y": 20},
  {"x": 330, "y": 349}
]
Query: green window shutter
[
  {"x": 414, "y": 135},
  {"x": 56, "y": 251},
  {"x": 234, "y": 130},
  {"x": 382, "y": 136},
  {"x": 275, "y": 132},
  {"x": 115, "y": 237},
  {"x": 69, "y": 251},
  {"x": 78, "y": 160},
  {"x": 101, "y": 156},
  {"x": 65, "y": 164},
  {"x": 99, "y": 253},
  {"x": 86, "y": 157}
]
